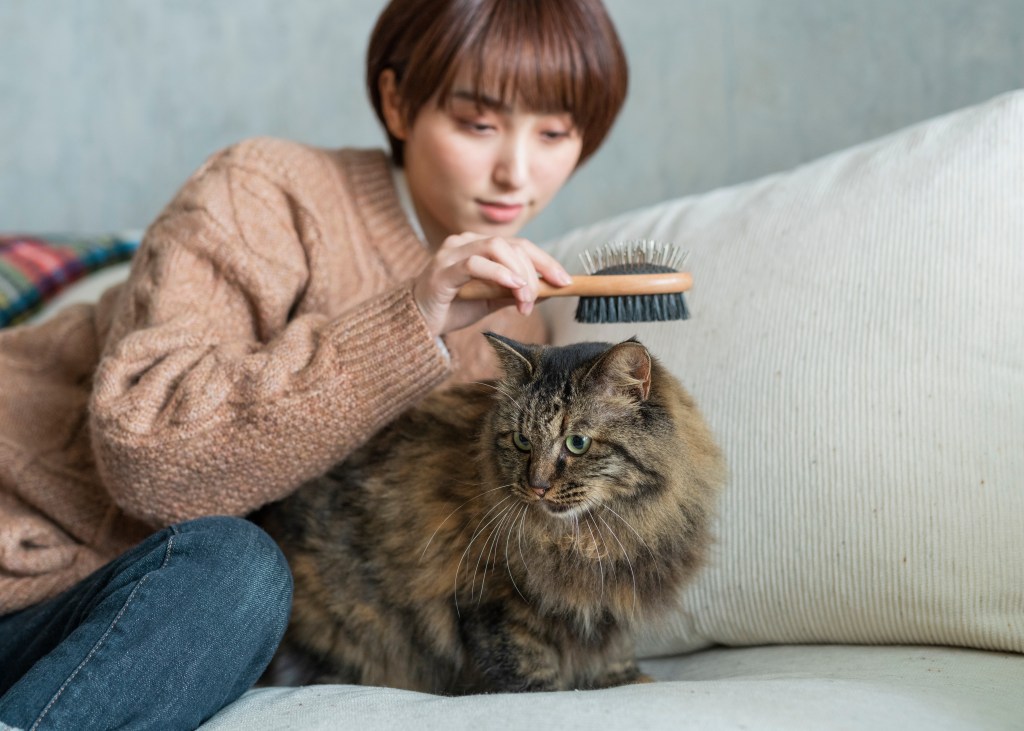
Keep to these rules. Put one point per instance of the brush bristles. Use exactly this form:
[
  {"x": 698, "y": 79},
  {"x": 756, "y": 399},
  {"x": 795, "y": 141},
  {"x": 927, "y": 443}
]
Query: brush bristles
[
  {"x": 632, "y": 308},
  {"x": 633, "y": 257}
]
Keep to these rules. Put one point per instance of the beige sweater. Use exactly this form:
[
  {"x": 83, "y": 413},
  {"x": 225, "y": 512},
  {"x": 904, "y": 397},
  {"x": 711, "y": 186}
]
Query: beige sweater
[{"x": 267, "y": 329}]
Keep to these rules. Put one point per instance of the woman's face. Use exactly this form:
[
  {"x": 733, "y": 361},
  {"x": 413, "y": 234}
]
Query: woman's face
[{"x": 483, "y": 169}]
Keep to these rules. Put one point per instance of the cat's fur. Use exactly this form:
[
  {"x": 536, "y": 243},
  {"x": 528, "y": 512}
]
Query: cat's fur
[{"x": 441, "y": 557}]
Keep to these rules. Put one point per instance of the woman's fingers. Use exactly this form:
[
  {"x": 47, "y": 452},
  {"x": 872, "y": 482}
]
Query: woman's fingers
[
  {"x": 513, "y": 264},
  {"x": 477, "y": 266},
  {"x": 545, "y": 264},
  {"x": 494, "y": 260}
]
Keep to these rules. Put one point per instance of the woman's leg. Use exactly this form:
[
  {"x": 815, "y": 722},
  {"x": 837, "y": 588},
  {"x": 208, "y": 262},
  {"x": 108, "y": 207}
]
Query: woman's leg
[{"x": 162, "y": 637}]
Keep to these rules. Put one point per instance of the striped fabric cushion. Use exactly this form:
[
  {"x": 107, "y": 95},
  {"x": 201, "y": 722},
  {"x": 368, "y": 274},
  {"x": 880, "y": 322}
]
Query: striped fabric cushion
[
  {"x": 35, "y": 268},
  {"x": 857, "y": 344}
]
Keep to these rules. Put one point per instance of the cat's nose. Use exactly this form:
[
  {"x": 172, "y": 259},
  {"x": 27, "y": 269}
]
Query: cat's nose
[{"x": 540, "y": 487}]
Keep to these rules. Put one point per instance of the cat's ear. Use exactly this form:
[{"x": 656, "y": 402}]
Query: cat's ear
[
  {"x": 515, "y": 358},
  {"x": 623, "y": 369}
]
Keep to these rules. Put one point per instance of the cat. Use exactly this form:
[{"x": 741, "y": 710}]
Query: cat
[{"x": 507, "y": 536}]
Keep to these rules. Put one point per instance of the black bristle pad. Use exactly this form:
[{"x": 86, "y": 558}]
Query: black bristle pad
[{"x": 633, "y": 307}]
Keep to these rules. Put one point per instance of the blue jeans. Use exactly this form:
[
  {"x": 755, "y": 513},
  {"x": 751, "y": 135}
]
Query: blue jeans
[{"x": 162, "y": 637}]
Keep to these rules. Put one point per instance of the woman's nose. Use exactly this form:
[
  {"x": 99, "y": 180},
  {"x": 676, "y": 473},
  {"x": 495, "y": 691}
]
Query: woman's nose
[{"x": 511, "y": 169}]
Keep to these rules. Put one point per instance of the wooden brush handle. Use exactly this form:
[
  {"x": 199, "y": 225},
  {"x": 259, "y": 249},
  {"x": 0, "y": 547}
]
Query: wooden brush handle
[{"x": 595, "y": 285}]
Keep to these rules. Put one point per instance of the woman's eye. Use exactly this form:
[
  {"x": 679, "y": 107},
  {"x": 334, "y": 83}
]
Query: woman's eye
[
  {"x": 480, "y": 127},
  {"x": 554, "y": 135},
  {"x": 577, "y": 443},
  {"x": 521, "y": 442}
]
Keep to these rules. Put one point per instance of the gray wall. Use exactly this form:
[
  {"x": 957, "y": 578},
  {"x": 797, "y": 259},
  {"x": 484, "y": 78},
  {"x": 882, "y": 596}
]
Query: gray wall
[{"x": 107, "y": 105}]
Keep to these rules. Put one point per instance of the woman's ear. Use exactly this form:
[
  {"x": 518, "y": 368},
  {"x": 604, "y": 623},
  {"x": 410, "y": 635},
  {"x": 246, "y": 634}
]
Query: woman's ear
[{"x": 391, "y": 104}]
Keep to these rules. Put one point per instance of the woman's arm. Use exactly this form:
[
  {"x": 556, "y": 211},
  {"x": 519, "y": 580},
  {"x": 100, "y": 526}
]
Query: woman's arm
[{"x": 211, "y": 396}]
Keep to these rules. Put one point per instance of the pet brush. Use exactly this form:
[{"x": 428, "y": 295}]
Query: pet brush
[{"x": 631, "y": 281}]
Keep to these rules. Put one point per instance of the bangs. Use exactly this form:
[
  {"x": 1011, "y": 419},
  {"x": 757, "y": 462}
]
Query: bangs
[
  {"x": 541, "y": 56},
  {"x": 519, "y": 61}
]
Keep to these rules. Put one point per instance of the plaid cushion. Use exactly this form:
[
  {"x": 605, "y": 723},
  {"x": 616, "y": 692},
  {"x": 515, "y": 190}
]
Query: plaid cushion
[{"x": 35, "y": 268}]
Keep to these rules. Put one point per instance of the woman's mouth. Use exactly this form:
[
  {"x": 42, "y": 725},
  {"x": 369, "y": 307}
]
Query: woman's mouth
[{"x": 497, "y": 212}]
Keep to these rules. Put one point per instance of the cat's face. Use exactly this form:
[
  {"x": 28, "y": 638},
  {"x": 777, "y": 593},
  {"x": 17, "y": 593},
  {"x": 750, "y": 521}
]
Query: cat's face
[{"x": 575, "y": 428}]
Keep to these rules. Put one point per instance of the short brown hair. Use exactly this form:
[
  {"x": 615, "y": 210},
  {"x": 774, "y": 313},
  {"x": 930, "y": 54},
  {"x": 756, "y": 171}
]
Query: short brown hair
[{"x": 548, "y": 55}]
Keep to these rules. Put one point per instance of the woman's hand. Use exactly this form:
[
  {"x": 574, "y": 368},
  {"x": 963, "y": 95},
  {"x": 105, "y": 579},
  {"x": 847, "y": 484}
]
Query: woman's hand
[{"x": 512, "y": 263}]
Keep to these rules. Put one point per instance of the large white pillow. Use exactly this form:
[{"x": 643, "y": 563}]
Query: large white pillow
[{"x": 857, "y": 344}]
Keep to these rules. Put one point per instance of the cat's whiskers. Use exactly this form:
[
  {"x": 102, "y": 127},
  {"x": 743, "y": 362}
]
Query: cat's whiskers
[
  {"x": 441, "y": 524},
  {"x": 491, "y": 544},
  {"x": 639, "y": 537},
  {"x": 600, "y": 563},
  {"x": 635, "y": 531},
  {"x": 522, "y": 522},
  {"x": 470, "y": 545},
  {"x": 625, "y": 555},
  {"x": 508, "y": 565}
]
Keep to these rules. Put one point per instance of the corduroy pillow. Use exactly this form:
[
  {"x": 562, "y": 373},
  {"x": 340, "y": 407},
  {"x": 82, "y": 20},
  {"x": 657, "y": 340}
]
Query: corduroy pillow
[{"x": 857, "y": 344}]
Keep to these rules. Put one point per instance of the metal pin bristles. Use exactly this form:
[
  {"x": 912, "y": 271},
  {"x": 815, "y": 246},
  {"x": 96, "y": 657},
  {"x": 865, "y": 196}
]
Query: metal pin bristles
[{"x": 633, "y": 255}]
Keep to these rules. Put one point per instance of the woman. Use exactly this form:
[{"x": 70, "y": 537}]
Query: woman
[{"x": 286, "y": 304}]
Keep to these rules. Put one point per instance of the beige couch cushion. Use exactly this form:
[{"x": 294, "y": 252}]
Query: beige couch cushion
[
  {"x": 857, "y": 343},
  {"x": 791, "y": 688}
]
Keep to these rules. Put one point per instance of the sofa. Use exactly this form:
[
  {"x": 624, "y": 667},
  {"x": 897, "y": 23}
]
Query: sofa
[{"x": 857, "y": 344}]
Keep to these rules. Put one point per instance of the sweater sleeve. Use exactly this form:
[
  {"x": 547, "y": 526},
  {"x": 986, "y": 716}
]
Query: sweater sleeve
[{"x": 211, "y": 395}]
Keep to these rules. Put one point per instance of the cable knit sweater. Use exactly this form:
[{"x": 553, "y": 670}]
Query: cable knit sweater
[{"x": 266, "y": 330}]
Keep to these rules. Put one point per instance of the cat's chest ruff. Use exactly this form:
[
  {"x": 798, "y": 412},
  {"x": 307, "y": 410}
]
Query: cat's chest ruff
[{"x": 584, "y": 544}]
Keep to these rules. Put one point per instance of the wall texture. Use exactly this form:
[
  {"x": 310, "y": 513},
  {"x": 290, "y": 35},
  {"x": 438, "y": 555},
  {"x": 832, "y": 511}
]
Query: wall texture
[{"x": 107, "y": 105}]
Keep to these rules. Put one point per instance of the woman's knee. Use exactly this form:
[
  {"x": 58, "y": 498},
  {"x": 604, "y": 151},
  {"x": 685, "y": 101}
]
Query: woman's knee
[{"x": 240, "y": 568}]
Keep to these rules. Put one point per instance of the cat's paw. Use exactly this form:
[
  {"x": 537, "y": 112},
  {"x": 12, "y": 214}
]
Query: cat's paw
[{"x": 625, "y": 676}]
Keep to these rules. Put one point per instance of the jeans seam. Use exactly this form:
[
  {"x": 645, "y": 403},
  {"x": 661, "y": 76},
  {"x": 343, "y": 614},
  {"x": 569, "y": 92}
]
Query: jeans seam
[{"x": 103, "y": 639}]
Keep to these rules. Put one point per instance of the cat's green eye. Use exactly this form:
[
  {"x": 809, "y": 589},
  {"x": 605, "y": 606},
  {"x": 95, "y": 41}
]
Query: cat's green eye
[
  {"x": 577, "y": 443},
  {"x": 521, "y": 442}
]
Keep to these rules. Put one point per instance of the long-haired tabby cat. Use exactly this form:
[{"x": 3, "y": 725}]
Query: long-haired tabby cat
[{"x": 507, "y": 538}]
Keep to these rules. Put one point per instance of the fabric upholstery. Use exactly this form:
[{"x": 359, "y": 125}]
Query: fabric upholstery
[
  {"x": 788, "y": 688},
  {"x": 34, "y": 269},
  {"x": 857, "y": 344}
]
